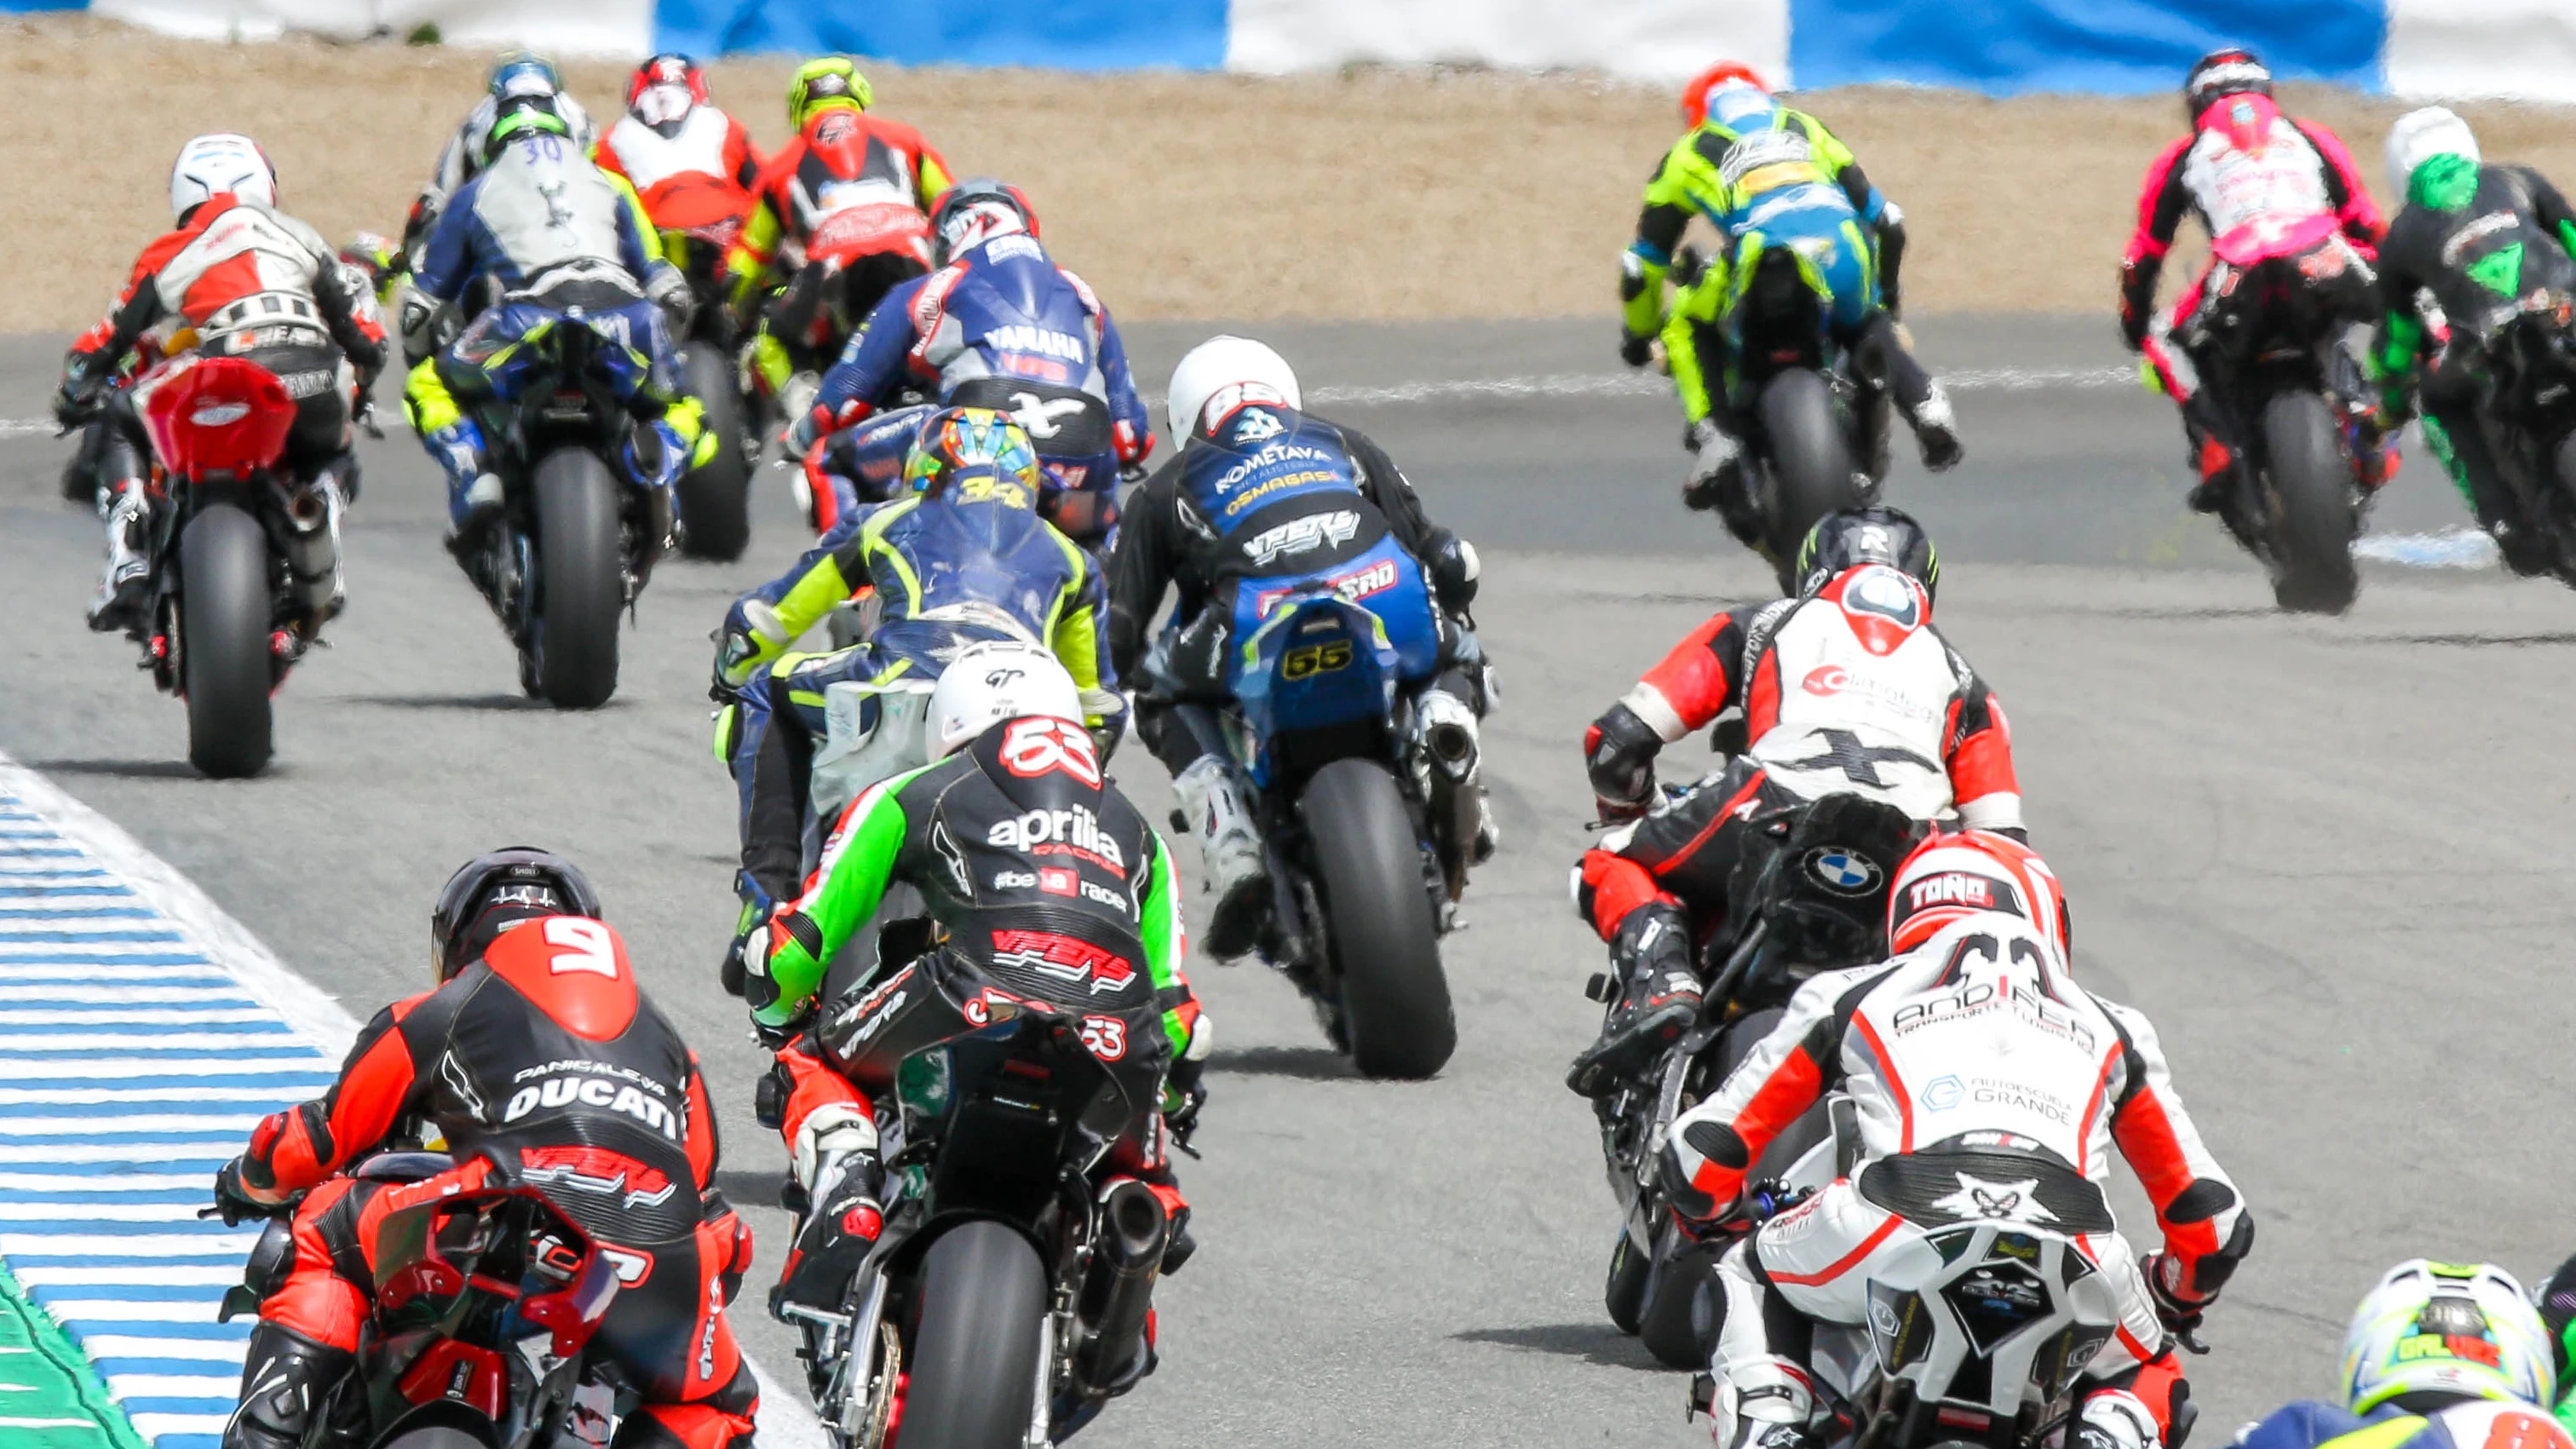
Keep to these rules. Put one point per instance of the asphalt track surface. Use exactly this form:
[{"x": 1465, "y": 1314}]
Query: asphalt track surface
[{"x": 2322, "y": 854}]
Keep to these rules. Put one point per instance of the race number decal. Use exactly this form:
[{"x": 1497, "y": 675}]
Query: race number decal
[
  {"x": 1106, "y": 1036},
  {"x": 1038, "y": 746},
  {"x": 581, "y": 945},
  {"x": 1316, "y": 659}
]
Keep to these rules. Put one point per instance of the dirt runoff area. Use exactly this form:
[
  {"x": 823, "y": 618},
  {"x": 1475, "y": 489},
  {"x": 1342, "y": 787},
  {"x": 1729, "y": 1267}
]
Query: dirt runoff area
[{"x": 1360, "y": 196}]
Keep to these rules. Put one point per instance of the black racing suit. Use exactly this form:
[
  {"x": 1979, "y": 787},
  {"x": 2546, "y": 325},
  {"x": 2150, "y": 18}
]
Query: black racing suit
[
  {"x": 2479, "y": 243},
  {"x": 542, "y": 1062}
]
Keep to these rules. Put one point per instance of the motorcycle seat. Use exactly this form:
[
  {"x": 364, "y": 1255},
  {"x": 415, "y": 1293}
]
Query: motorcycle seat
[{"x": 403, "y": 1166}]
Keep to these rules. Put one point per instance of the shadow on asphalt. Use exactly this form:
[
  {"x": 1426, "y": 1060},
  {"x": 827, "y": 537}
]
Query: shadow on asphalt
[
  {"x": 495, "y": 702},
  {"x": 745, "y": 1188},
  {"x": 1595, "y": 1343},
  {"x": 118, "y": 769},
  {"x": 1306, "y": 1063}
]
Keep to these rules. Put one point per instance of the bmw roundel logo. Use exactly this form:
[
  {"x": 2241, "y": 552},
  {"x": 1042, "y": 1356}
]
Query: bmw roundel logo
[{"x": 1841, "y": 870}]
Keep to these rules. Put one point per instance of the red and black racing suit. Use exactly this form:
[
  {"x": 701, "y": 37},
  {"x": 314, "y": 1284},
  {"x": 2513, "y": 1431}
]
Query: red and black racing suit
[{"x": 543, "y": 1060}]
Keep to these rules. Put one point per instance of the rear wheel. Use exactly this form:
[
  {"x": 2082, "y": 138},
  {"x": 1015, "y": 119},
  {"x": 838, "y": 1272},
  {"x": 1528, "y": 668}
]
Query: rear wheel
[
  {"x": 227, "y": 672},
  {"x": 1395, "y": 999},
  {"x": 581, "y": 580},
  {"x": 2309, "y": 506},
  {"x": 1810, "y": 462},
  {"x": 973, "y": 1373},
  {"x": 715, "y": 501},
  {"x": 1679, "y": 1324}
]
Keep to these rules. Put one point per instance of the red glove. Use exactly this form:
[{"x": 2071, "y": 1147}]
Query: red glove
[{"x": 1133, "y": 447}]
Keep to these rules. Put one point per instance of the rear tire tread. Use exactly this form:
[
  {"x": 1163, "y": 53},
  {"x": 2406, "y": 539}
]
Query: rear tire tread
[
  {"x": 1385, "y": 942},
  {"x": 227, "y": 671}
]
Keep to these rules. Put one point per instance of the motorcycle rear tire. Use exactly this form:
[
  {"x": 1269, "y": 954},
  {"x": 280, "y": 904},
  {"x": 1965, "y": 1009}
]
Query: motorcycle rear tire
[
  {"x": 715, "y": 501},
  {"x": 1810, "y": 463},
  {"x": 226, "y": 668},
  {"x": 436, "y": 1436},
  {"x": 1368, "y": 864},
  {"x": 1679, "y": 1325},
  {"x": 2310, "y": 516},
  {"x": 974, "y": 1363},
  {"x": 581, "y": 580}
]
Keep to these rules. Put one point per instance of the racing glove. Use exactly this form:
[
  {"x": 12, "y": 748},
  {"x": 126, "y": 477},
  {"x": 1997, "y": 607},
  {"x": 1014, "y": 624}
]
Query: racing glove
[
  {"x": 1453, "y": 567},
  {"x": 1619, "y": 753},
  {"x": 752, "y": 635},
  {"x": 233, "y": 1200},
  {"x": 1133, "y": 447},
  {"x": 2137, "y": 302},
  {"x": 77, "y": 399},
  {"x": 1634, "y": 350}
]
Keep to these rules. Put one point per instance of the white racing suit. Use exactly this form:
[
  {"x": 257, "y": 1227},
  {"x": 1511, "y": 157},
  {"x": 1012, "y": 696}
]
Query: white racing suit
[{"x": 1986, "y": 1084}]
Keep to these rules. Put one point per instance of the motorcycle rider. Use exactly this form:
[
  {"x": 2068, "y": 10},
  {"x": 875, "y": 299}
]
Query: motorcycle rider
[
  {"x": 2244, "y": 166},
  {"x": 843, "y": 155},
  {"x": 569, "y": 246},
  {"x": 2439, "y": 1356},
  {"x": 998, "y": 325},
  {"x": 2479, "y": 238},
  {"x": 1767, "y": 177},
  {"x": 2055, "y": 1076},
  {"x": 234, "y": 277},
  {"x": 1007, "y": 744},
  {"x": 672, "y": 137},
  {"x": 518, "y": 76},
  {"x": 1846, "y": 688},
  {"x": 534, "y": 992},
  {"x": 1258, "y": 498},
  {"x": 963, "y": 557}
]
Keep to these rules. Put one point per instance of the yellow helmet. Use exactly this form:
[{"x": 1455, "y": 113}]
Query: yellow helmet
[{"x": 826, "y": 83}]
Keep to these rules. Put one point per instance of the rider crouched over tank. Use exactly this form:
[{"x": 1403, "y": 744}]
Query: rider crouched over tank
[{"x": 1260, "y": 498}]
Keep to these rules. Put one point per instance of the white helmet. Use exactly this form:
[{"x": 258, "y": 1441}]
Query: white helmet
[
  {"x": 1230, "y": 369},
  {"x": 2418, "y": 137},
  {"x": 994, "y": 681},
  {"x": 2446, "y": 1331},
  {"x": 217, "y": 163}
]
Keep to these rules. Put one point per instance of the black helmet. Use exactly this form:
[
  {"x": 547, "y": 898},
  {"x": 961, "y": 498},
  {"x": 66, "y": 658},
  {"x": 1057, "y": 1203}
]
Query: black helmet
[
  {"x": 948, "y": 208},
  {"x": 2234, "y": 71},
  {"x": 519, "y": 879},
  {"x": 1877, "y": 534}
]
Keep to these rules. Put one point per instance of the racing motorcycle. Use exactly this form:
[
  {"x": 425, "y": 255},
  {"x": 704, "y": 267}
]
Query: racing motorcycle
[
  {"x": 1368, "y": 816},
  {"x": 243, "y": 555},
  {"x": 698, "y": 217},
  {"x": 1814, "y": 418},
  {"x": 485, "y": 1304},
  {"x": 1009, "y": 1295},
  {"x": 2272, "y": 347},
  {"x": 1980, "y": 1341},
  {"x": 1813, "y": 893},
  {"x": 865, "y": 237},
  {"x": 2529, "y": 414},
  {"x": 579, "y": 537}
]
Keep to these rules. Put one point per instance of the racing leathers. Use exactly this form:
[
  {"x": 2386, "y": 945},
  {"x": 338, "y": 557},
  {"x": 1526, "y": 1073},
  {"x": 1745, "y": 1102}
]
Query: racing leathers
[
  {"x": 706, "y": 152},
  {"x": 1987, "y": 1087},
  {"x": 571, "y": 249},
  {"x": 2467, "y": 1424},
  {"x": 848, "y": 183},
  {"x": 1034, "y": 870},
  {"x": 969, "y": 563},
  {"x": 540, "y": 1064},
  {"x": 234, "y": 279},
  {"x": 1000, "y": 326},
  {"x": 1776, "y": 184},
  {"x": 461, "y": 160},
  {"x": 1257, "y": 504},
  {"x": 1848, "y": 690},
  {"x": 2479, "y": 239},
  {"x": 2263, "y": 185}
]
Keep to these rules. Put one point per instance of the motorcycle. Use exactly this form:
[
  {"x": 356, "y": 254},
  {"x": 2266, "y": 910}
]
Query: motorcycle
[
  {"x": 2272, "y": 351},
  {"x": 698, "y": 217},
  {"x": 243, "y": 556},
  {"x": 1368, "y": 819},
  {"x": 2529, "y": 415},
  {"x": 867, "y": 239},
  {"x": 578, "y": 540},
  {"x": 1814, "y": 900},
  {"x": 1814, "y": 418},
  {"x": 1009, "y": 1294},
  {"x": 485, "y": 1302}
]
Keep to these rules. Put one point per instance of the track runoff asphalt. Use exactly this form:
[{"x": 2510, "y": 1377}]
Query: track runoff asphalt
[{"x": 2318, "y": 852}]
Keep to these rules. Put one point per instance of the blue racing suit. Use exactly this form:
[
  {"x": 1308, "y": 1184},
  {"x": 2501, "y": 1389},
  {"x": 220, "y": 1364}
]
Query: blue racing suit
[
  {"x": 972, "y": 563},
  {"x": 570, "y": 247},
  {"x": 1002, "y": 326}
]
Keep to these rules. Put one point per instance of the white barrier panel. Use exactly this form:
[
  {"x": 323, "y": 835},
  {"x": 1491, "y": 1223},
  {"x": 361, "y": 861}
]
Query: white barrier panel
[
  {"x": 1662, "y": 40},
  {"x": 619, "y": 28},
  {"x": 2521, "y": 49}
]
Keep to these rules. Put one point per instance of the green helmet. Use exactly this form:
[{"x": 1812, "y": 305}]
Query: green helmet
[
  {"x": 525, "y": 117},
  {"x": 826, "y": 83}
]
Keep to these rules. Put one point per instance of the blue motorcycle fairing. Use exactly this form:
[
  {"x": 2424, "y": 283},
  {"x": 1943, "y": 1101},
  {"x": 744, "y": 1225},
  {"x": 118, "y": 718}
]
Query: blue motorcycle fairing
[{"x": 1316, "y": 662}]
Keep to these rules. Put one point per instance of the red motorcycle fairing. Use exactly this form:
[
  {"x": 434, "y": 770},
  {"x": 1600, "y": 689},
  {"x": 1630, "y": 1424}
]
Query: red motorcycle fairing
[
  {"x": 453, "y": 1372},
  {"x": 215, "y": 417}
]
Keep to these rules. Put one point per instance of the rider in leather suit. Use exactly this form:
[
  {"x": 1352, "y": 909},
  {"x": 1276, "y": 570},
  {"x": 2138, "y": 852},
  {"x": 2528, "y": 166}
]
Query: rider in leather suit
[
  {"x": 1847, "y": 688},
  {"x": 535, "y": 1057},
  {"x": 2045, "y": 1077},
  {"x": 1261, "y": 497},
  {"x": 518, "y": 76}
]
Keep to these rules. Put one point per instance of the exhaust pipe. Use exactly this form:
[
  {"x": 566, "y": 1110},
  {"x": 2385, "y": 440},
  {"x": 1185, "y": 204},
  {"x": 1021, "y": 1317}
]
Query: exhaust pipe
[
  {"x": 1128, "y": 1257},
  {"x": 313, "y": 545}
]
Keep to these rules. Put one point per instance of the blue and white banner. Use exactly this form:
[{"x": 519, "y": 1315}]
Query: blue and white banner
[{"x": 2511, "y": 48}]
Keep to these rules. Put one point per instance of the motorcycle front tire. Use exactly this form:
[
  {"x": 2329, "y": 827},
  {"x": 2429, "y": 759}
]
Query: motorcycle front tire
[
  {"x": 581, "y": 580},
  {"x": 2309, "y": 513},
  {"x": 715, "y": 501},
  {"x": 1385, "y": 942},
  {"x": 226, "y": 671},
  {"x": 974, "y": 1365},
  {"x": 1809, "y": 461}
]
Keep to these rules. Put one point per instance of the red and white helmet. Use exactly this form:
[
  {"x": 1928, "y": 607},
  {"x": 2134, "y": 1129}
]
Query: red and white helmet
[
  {"x": 665, "y": 89},
  {"x": 1959, "y": 874}
]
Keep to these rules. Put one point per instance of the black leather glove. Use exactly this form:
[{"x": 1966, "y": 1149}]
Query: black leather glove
[
  {"x": 233, "y": 1201},
  {"x": 77, "y": 400},
  {"x": 1634, "y": 350},
  {"x": 1619, "y": 754}
]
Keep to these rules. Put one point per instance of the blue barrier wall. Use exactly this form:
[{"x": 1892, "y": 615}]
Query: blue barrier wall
[
  {"x": 2118, "y": 47},
  {"x": 1060, "y": 34}
]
